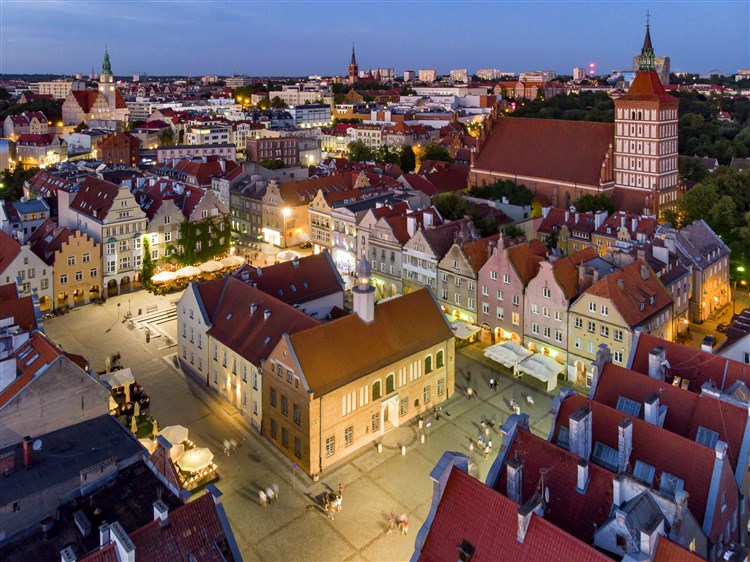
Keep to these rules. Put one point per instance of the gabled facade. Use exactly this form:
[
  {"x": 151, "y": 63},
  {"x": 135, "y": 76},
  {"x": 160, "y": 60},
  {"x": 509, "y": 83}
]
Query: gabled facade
[{"x": 18, "y": 264}]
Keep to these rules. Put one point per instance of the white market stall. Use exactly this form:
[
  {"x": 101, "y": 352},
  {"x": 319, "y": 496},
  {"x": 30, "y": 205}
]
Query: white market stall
[
  {"x": 507, "y": 353},
  {"x": 232, "y": 261},
  {"x": 188, "y": 271},
  {"x": 164, "y": 277},
  {"x": 211, "y": 266},
  {"x": 463, "y": 330},
  {"x": 542, "y": 367}
]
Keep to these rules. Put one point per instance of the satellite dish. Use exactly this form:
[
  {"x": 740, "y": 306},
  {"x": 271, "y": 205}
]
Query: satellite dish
[
  {"x": 546, "y": 495},
  {"x": 37, "y": 446}
]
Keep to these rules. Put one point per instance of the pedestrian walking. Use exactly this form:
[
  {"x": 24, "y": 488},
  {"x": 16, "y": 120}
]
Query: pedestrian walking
[
  {"x": 233, "y": 445},
  {"x": 341, "y": 489},
  {"x": 338, "y": 503},
  {"x": 263, "y": 498},
  {"x": 270, "y": 494},
  {"x": 492, "y": 383},
  {"x": 486, "y": 452},
  {"x": 392, "y": 522},
  {"x": 471, "y": 445},
  {"x": 470, "y": 392},
  {"x": 226, "y": 447},
  {"x": 489, "y": 444},
  {"x": 487, "y": 431},
  {"x": 403, "y": 523},
  {"x": 275, "y": 488}
]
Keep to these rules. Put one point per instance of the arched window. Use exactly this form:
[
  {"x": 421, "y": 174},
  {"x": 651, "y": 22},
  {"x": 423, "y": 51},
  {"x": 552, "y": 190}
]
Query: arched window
[
  {"x": 632, "y": 115},
  {"x": 390, "y": 383},
  {"x": 439, "y": 359},
  {"x": 428, "y": 364},
  {"x": 640, "y": 116},
  {"x": 376, "y": 390}
]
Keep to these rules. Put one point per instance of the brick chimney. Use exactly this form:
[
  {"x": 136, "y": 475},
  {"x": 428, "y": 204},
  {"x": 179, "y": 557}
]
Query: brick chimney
[
  {"x": 579, "y": 435},
  {"x": 624, "y": 444},
  {"x": 27, "y": 452},
  {"x": 514, "y": 477}
]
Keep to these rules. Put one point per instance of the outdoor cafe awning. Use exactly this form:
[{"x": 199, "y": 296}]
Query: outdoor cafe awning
[
  {"x": 175, "y": 434},
  {"x": 507, "y": 353},
  {"x": 164, "y": 277},
  {"x": 195, "y": 459},
  {"x": 463, "y": 330},
  {"x": 542, "y": 367},
  {"x": 211, "y": 266},
  {"x": 231, "y": 261},
  {"x": 188, "y": 271},
  {"x": 117, "y": 379}
]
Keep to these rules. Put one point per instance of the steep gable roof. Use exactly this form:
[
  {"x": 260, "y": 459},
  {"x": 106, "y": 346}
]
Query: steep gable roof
[
  {"x": 402, "y": 327},
  {"x": 48, "y": 239},
  {"x": 570, "y": 151},
  {"x": 471, "y": 511},
  {"x": 31, "y": 358},
  {"x": 21, "y": 309},
  {"x": 477, "y": 251},
  {"x": 296, "y": 281},
  {"x": 441, "y": 237},
  {"x": 634, "y": 297},
  {"x": 661, "y": 449},
  {"x": 686, "y": 412},
  {"x": 647, "y": 87},
  {"x": 696, "y": 366},
  {"x": 95, "y": 198},
  {"x": 525, "y": 259},
  {"x": 9, "y": 250},
  {"x": 575, "y": 513},
  {"x": 85, "y": 98}
]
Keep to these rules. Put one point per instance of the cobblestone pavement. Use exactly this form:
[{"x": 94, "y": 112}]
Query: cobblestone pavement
[{"x": 295, "y": 527}]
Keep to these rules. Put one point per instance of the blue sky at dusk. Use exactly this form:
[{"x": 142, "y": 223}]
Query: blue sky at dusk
[{"x": 301, "y": 38}]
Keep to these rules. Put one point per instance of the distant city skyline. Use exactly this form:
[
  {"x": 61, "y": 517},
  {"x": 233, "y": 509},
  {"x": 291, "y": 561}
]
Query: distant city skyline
[{"x": 257, "y": 38}]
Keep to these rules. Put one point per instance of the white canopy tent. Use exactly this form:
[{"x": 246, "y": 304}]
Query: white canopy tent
[
  {"x": 463, "y": 330},
  {"x": 231, "y": 261},
  {"x": 164, "y": 277},
  {"x": 116, "y": 379},
  {"x": 507, "y": 353},
  {"x": 542, "y": 367},
  {"x": 288, "y": 255},
  {"x": 195, "y": 459}
]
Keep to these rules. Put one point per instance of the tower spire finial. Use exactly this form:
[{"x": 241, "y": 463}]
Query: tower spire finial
[
  {"x": 647, "y": 62},
  {"x": 354, "y": 58},
  {"x": 648, "y": 19}
]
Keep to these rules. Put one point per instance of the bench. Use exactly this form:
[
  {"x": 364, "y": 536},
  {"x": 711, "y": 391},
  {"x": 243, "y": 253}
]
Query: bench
[{"x": 151, "y": 308}]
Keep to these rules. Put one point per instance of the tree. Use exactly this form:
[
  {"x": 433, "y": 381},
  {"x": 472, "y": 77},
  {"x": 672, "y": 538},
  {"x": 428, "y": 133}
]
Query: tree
[
  {"x": 386, "y": 154},
  {"x": 591, "y": 203},
  {"x": 81, "y": 127},
  {"x": 407, "y": 160},
  {"x": 278, "y": 103},
  {"x": 11, "y": 183},
  {"x": 514, "y": 231},
  {"x": 272, "y": 164},
  {"x": 166, "y": 137},
  {"x": 148, "y": 267},
  {"x": 516, "y": 194},
  {"x": 360, "y": 152},
  {"x": 552, "y": 240},
  {"x": 452, "y": 206},
  {"x": 263, "y": 104},
  {"x": 435, "y": 151},
  {"x": 4, "y": 94},
  {"x": 692, "y": 169}
]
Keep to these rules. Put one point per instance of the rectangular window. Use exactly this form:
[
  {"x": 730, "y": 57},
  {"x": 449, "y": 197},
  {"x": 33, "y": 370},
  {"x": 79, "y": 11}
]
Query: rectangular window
[
  {"x": 500, "y": 313},
  {"x": 534, "y": 327},
  {"x": 330, "y": 446},
  {"x": 71, "y": 260},
  {"x": 545, "y": 311},
  {"x": 605, "y": 310},
  {"x": 578, "y": 343},
  {"x": 63, "y": 279},
  {"x": 534, "y": 308},
  {"x": 500, "y": 295},
  {"x": 617, "y": 356},
  {"x": 558, "y": 315},
  {"x": 579, "y": 322},
  {"x": 485, "y": 291},
  {"x": 375, "y": 422},
  {"x": 516, "y": 318},
  {"x": 592, "y": 306},
  {"x": 79, "y": 275},
  {"x": 404, "y": 407},
  {"x": 285, "y": 437},
  {"x": 86, "y": 258},
  {"x": 591, "y": 326},
  {"x": 440, "y": 387},
  {"x": 618, "y": 335},
  {"x": 273, "y": 397},
  {"x": 284, "y": 406},
  {"x": 493, "y": 275},
  {"x": 546, "y": 292},
  {"x": 298, "y": 447},
  {"x": 604, "y": 331},
  {"x": 273, "y": 428},
  {"x": 506, "y": 279},
  {"x": 485, "y": 308},
  {"x": 546, "y": 330},
  {"x": 348, "y": 436},
  {"x": 426, "y": 394},
  {"x": 94, "y": 273},
  {"x": 515, "y": 300},
  {"x": 297, "y": 415},
  {"x": 558, "y": 336}
]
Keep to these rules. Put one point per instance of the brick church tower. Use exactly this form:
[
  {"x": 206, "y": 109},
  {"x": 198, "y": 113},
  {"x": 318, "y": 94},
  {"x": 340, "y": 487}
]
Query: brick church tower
[
  {"x": 353, "y": 68},
  {"x": 645, "y": 151}
]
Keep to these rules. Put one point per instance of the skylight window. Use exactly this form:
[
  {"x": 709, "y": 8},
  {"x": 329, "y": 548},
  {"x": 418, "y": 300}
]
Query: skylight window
[
  {"x": 229, "y": 316},
  {"x": 563, "y": 438},
  {"x": 706, "y": 437},
  {"x": 605, "y": 456},
  {"x": 644, "y": 472},
  {"x": 670, "y": 483},
  {"x": 628, "y": 406}
]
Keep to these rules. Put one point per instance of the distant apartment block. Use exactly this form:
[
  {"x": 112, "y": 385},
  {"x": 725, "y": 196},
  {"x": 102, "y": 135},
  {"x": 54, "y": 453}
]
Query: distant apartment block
[{"x": 226, "y": 150}]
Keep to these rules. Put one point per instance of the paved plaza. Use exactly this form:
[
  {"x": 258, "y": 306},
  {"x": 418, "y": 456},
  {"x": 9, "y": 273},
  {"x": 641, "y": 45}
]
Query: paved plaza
[{"x": 295, "y": 527}]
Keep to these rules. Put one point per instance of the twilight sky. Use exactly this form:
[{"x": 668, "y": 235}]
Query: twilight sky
[{"x": 284, "y": 37}]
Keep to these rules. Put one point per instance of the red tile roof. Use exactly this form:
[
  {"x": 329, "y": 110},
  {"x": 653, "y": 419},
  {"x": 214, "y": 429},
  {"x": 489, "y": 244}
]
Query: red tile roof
[
  {"x": 477, "y": 251},
  {"x": 296, "y": 281},
  {"x": 21, "y": 309},
  {"x": 85, "y": 98},
  {"x": 442, "y": 237},
  {"x": 686, "y": 412},
  {"x": 633, "y": 300},
  {"x": 692, "y": 364},
  {"x": 661, "y": 449},
  {"x": 42, "y": 139},
  {"x": 195, "y": 532},
  {"x": 44, "y": 183},
  {"x": 47, "y": 240},
  {"x": 30, "y": 357},
  {"x": 577, "y": 514},
  {"x": 525, "y": 259},
  {"x": 576, "y": 222},
  {"x": 402, "y": 327},
  {"x": 570, "y": 151},
  {"x": 667, "y": 551},
  {"x": 647, "y": 87},
  {"x": 471, "y": 511},
  {"x": 247, "y": 331},
  {"x": 9, "y": 250},
  {"x": 95, "y": 197}
]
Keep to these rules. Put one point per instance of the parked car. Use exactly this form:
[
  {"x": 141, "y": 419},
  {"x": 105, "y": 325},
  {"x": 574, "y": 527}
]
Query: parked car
[{"x": 722, "y": 328}]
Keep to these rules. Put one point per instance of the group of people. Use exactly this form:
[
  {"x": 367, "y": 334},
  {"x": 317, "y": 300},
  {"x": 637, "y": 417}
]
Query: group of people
[
  {"x": 332, "y": 501},
  {"x": 269, "y": 495},
  {"x": 403, "y": 523}
]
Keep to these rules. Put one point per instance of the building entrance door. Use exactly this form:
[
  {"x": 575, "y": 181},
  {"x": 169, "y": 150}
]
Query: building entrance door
[{"x": 389, "y": 413}]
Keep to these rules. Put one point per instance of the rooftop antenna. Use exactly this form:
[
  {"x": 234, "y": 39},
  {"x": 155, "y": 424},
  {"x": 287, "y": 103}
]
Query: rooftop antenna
[{"x": 648, "y": 18}]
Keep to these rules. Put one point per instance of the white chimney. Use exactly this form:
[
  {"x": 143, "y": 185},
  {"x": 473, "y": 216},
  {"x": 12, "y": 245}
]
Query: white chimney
[
  {"x": 266, "y": 314},
  {"x": 103, "y": 534},
  {"x": 514, "y": 477},
  {"x": 68, "y": 555},
  {"x": 579, "y": 434},
  {"x": 645, "y": 271},
  {"x": 583, "y": 476},
  {"x": 634, "y": 223},
  {"x": 617, "y": 490},
  {"x": 650, "y": 534},
  {"x": 651, "y": 409},
  {"x": 535, "y": 504},
  {"x": 125, "y": 546},
  {"x": 624, "y": 444},
  {"x": 656, "y": 358},
  {"x": 161, "y": 513}
]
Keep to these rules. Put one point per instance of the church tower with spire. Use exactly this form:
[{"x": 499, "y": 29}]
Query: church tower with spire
[
  {"x": 106, "y": 75},
  {"x": 645, "y": 151},
  {"x": 353, "y": 68}
]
